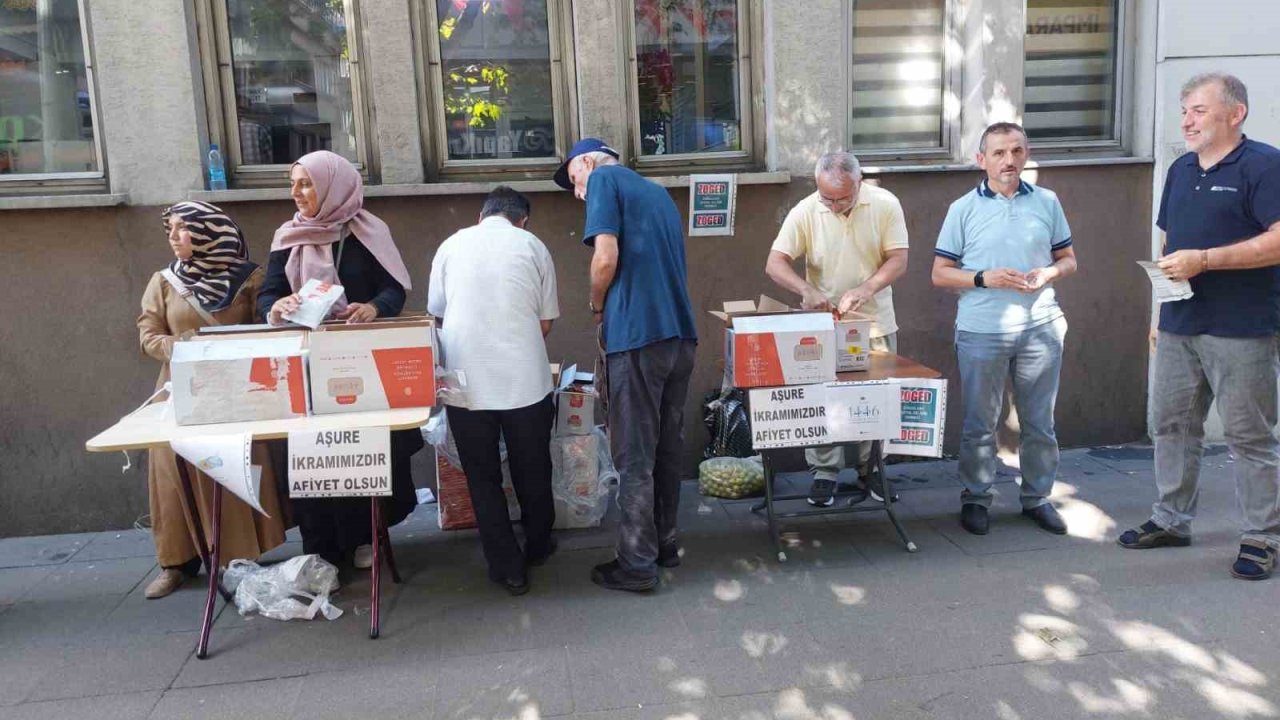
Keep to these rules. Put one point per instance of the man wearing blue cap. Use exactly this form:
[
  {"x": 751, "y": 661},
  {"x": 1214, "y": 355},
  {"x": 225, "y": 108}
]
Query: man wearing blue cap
[{"x": 639, "y": 297}]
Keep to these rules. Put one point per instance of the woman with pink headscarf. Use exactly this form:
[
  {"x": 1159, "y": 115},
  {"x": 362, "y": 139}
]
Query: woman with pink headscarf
[{"x": 332, "y": 238}]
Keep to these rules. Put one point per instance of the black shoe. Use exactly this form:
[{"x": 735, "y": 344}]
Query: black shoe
[
  {"x": 542, "y": 558},
  {"x": 973, "y": 517},
  {"x": 515, "y": 585},
  {"x": 822, "y": 493},
  {"x": 1047, "y": 517},
  {"x": 1150, "y": 535},
  {"x": 669, "y": 556},
  {"x": 612, "y": 576}
]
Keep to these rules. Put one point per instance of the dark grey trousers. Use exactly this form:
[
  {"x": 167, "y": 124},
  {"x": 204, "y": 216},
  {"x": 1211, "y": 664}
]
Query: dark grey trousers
[{"x": 647, "y": 389}]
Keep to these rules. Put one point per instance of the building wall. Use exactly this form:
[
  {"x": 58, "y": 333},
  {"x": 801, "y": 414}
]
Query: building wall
[{"x": 70, "y": 364}]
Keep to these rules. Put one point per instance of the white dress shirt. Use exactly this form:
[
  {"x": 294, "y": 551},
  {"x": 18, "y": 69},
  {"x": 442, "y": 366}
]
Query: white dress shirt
[{"x": 493, "y": 283}]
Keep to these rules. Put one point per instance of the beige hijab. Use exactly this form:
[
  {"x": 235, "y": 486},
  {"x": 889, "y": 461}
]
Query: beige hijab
[{"x": 341, "y": 194}]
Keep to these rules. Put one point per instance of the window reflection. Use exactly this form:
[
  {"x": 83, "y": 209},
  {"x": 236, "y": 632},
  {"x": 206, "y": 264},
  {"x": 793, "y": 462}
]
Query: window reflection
[
  {"x": 291, "y": 68},
  {"x": 496, "y": 76},
  {"x": 46, "y": 122},
  {"x": 688, "y": 76}
]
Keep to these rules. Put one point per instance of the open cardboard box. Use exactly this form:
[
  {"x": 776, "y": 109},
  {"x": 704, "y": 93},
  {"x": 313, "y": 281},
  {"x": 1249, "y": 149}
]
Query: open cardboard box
[
  {"x": 575, "y": 402},
  {"x": 239, "y": 378},
  {"x": 383, "y": 365},
  {"x": 768, "y": 344}
]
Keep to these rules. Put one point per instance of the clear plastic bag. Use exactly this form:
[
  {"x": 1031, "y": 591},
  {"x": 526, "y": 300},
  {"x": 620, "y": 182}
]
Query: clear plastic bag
[
  {"x": 582, "y": 472},
  {"x": 295, "y": 589},
  {"x": 731, "y": 478}
]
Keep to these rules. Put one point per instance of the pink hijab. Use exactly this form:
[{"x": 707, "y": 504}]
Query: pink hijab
[{"x": 341, "y": 194}]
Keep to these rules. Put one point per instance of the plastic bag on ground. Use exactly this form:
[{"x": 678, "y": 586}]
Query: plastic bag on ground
[
  {"x": 731, "y": 478},
  {"x": 581, "y": 473},
  {"x": 295, "y": 589},
  {"x": 724, "y": 413}
]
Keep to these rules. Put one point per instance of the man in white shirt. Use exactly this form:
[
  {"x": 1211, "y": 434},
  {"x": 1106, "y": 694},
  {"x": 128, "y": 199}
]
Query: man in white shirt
[{"x": 493, "y": 290}]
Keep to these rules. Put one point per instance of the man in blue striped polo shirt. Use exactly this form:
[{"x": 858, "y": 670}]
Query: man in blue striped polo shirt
[
  {"x": 1001, "y": 246},
  {"x": 1220, "y": 212}
]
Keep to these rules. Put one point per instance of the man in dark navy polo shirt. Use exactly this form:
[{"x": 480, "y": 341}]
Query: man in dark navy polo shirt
[
  {"x": 639, "y": 293},
  {"x": 1220, "y": 212}
]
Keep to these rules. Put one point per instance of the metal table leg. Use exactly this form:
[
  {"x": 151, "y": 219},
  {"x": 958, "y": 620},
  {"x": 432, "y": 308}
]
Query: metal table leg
[
  {"x": 767, "y": 505},
  {"x": 376, "y": 524},
  {"x": 886, "y": 493},
  {"x": 202, "y": 649},
  {"x": 202, "y": 544}
]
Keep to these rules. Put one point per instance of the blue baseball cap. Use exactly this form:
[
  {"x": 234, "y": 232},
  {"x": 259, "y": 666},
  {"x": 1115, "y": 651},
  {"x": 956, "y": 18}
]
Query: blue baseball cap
[{"x": 582, "y": 147}]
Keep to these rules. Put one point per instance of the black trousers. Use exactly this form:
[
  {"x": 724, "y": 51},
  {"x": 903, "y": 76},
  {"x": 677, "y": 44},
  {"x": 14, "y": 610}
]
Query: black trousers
[
  {"x": 527, "y": 432},
  {"x": 334, "y": 527}
]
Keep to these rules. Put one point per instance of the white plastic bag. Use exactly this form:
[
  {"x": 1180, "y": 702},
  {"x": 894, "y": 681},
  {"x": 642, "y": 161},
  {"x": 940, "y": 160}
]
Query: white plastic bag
[
  {"x": 274, "y": 591},
  {"x": 581, "y": 474}
]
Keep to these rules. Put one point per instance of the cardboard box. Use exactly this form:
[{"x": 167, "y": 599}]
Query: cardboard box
[
  {"x": 769, "y": 344},
  {"x": 373, "y": 366},
  {"x": 239, "y": 378},
  {"x": 853, "y": 342},
  {"x": 575, "y": 402}
]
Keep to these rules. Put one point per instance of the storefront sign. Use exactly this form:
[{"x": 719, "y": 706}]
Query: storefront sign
[
  {"x": 793, "y": 416},
  {"x": 924, "y": 419},
  {"x": 858, "y": 411},
  {"x": 340, "y": 463},
  {"x": 711, "y": 204}
]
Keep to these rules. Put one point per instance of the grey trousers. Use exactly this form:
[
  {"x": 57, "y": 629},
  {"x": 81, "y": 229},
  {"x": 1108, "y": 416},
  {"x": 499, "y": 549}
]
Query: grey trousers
[
  {"x": 647, "y": 389},
  {"x": 826, "y": 462},
  {"x": 1191, "y": 371}
]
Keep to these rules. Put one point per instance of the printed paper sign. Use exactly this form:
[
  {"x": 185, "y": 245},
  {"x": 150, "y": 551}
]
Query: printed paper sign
[
  {"x": 711, "y": 204},
  {"x": 225, "y": 458},
  {"x": 924, "y": 419},
  {"x": 794, "y": 416},
  {"x": 858, "y": 411},
  {"x": 340, "y": 463}
]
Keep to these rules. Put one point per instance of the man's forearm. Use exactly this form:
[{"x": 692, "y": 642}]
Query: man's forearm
[
  {"x": 1259, "y": 251},
  {"x": 780, "y": 272},
  {"x": 604, "y": 265}
]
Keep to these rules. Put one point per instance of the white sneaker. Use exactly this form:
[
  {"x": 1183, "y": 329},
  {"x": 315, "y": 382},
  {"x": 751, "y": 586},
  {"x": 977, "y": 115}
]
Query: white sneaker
[{"x": 363, "y": 557}]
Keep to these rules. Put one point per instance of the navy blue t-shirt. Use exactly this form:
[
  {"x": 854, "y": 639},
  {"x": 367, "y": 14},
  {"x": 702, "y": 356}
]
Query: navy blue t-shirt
[
  {"x": 1235, "y": 200},
  {"x": 648, "y": 301}
]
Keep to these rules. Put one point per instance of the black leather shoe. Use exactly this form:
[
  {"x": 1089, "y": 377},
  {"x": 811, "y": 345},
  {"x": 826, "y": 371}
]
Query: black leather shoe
[
  {"x": 540, "y": 560},
  {"x": 1047, "y": 517},
  {"x": 515, "y": 585},
  {"x": 612, "y": 576},
  {"x": 973, "y": 517},
  {"x": 669, "y": 556}
]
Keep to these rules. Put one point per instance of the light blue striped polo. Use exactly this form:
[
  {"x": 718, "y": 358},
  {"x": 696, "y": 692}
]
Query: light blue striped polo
[{"x": 985, "y": 230}]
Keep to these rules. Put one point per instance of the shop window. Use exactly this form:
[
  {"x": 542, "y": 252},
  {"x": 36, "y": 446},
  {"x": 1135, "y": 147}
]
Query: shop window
[
  {"x": 901, "y": 77},
  {"x": 288, "y": 83},
  {"x": 497, "y": 88},
  {"x": 1070, "y": 70},
  {"x": 691, "y": 82},
  {"x": 48, "y": 131}
]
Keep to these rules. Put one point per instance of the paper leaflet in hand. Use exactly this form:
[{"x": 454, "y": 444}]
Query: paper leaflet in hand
[
  {"x": 225, "y": 458},
  {"x": 317, "y": 298},
  {"x": 1166, "y": 288}
]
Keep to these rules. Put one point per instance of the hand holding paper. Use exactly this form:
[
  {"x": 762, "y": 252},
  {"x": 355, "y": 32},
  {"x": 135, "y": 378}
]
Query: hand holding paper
[
  {"x": 316, "y": 299},
  {"x": 1166, "y": 288}
]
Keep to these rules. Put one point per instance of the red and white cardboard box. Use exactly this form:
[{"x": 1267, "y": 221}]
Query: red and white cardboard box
[
  {"x": 853, "y": 342},
  {"x": 769, "y": 344},
  {"x": 575, "y": 402},
  {"x": 373, "y": 366},
  {"x": 239, "y": 378}
]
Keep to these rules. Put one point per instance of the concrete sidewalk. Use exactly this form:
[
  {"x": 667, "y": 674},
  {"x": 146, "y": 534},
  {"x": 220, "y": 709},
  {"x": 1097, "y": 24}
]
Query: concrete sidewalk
[{"x": 1016, "y": 624}]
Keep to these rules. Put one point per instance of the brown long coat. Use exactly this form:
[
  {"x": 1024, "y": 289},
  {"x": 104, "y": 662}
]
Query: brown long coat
[{"x": 165, "y": 317}]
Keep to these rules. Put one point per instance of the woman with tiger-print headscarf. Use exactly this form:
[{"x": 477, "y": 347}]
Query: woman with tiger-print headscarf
[{"x": 210, "y": 282}]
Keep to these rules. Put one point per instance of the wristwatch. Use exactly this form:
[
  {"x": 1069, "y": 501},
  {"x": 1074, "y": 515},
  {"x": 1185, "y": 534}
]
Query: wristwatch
[
  {"x": 594, "y": 310},
  {"x": 978, "y": 281}
]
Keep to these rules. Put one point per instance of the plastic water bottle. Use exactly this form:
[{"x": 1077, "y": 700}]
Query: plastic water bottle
[{"x": 217, "y": 171}]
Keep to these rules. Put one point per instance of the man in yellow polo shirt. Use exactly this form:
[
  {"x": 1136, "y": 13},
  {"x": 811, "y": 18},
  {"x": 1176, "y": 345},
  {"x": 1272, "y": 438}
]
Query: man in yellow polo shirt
[{"x": 853, "y": 239}]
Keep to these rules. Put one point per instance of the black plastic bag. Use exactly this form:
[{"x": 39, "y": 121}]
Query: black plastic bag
[{"x": 725, "y": 416}]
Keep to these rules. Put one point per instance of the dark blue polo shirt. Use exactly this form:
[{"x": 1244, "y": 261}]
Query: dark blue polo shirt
[
  {"x": 1235, "y": 200},
  {"x": 648, "y": 301}
]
